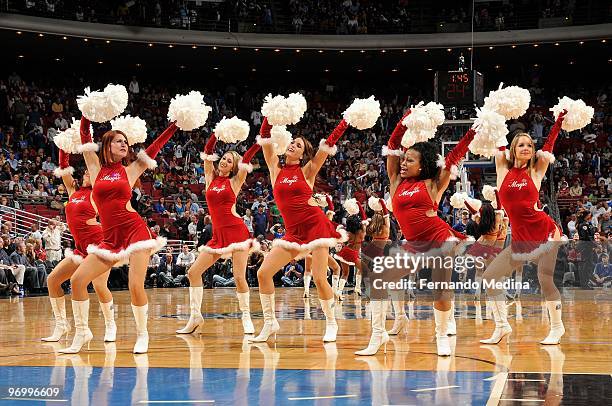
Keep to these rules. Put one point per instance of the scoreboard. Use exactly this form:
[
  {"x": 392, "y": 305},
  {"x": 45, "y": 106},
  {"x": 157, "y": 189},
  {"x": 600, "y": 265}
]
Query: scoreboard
[{"x": 455, "y": 88}]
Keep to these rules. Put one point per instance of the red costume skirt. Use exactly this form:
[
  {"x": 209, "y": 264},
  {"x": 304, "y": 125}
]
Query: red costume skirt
[
  {"x": 226, "y": 240},
  {"x": 347, "y": 255},
  {"x": 314, "y": 232}
]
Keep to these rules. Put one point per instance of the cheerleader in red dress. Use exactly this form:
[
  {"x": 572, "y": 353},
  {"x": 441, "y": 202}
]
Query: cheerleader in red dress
[
  {"x": 82, "y": 223},
  {"x": 417, "y": 183},
  {"x": 126, "y": 236},
  {"x": 231, "y": 237},
  {"x": 535, "y": 236},
  {"x": 350, "y": 254},
  {"x": 308, "y": 229},
  {"x": 331, "y": 262}
]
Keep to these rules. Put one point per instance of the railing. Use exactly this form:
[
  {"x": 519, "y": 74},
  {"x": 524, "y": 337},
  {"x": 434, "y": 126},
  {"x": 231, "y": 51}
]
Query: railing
[{"x": 21, "y": 222}]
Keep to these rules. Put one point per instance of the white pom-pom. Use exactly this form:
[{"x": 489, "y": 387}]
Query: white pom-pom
[
  {"x": 457, "y": 200},
  {"x": 70, "y": 139},
  {"x": 277, "y": 110},
  {"x": 280, "y": 139},
  {"x": 488, "y": 192},
  {"x": 134, "y": 128},
  {"x": 189, "y": 111},
  {"x": 101, "y": 106},
  {"x": 491, "y": 131},
  {"x": 351, "y": 206},
  {"x": 232, "y": 130},
  {"x": 422, "y": 123},
  {"x": 363, "y": 113},
  {"x": 578, "y": 116},
  {"x": 510, "y": 102},
  {"x": 374, "y": 203},
  {"x": 297, "y": 106}
]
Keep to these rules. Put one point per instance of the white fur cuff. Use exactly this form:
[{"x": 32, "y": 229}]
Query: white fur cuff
[
  {"x": 89, "y": 147},
  {"x": 329, "y": 150},
  {"x": 59, "y": 172},
  {"x": 245, "y": 167},
  {"x": 263, "y": 141},
  {"x": 209, "y": 157},
  {"x": 146, "y": 159},
  {"x": 394, "y": 152},
  {"x": 547, "y": 156}
]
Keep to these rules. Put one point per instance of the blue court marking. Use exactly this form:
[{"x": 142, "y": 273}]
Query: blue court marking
[{"x": 119, "y": 386}]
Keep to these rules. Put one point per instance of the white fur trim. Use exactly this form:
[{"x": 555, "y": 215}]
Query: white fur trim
[
  {"x": 339, "y": 258},
  {"x": 394, "y": 152},
  {"x": 366, "y": 222},
  {"x": 454, "y": 170},
  {"x": 153, "y": 245},
  {"x": 505, "y": 153},
  {"x": 59, "y": 172},
  {"x": 245, "y": 166},
  {"x": 89, "y": 147},
  {"x": 547, "y": 156},
  {"x": 263, "y": 141},
  {"x": 146, "y": 159},
  {"x": 207, "y": 157},
  {"x": 543, "y": 248},
  {"x": 329, "y": 150},
  {"x": 441, "y": 161},
  {"x": 251, "y": 244},
  {"x": 330, "y": 211},
  {"x": 77, "y": 259},
  {"x": 319, "y": 242}
]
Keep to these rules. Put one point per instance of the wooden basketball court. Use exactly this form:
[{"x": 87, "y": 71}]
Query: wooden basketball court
[{"x": 220, "y": 366}]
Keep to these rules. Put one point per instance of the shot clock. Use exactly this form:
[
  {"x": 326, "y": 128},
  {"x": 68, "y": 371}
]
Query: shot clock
[{"x": 459, "y": 88}]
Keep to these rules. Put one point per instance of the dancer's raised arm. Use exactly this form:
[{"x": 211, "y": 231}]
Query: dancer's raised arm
[
  {"x": 89, "y": 149},
  {"x": 146, "y": 158},
  {"x": 65, "y": 171},
  {"x": 326, "y": 147},
  {"x": 244, "y": 167},
  {"x": 267, "y": 147},
  {"x": 545, "y": 155},
  {"x": 393, "y": 151},
  {"x": 449, "y": 163},
  {"x": 209, "y": 156}
]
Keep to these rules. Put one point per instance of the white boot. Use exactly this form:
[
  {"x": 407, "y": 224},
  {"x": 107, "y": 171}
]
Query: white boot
[
  {"x": 307, "y": 279},
  {"x": 196, "y": 320},
  {"x": 110, "y": 332},
  {"x": 556, "y": 323},
  {"x": 82, "y": 335},
  {"x": 335, "y": 280},
  {"x": 478, "y": 288},
  {"x": 401, "y": 320},
  {"x": 271, "y": 326},
  {"x": 331, "y": 327},
  {"x": 500, "y": 315},
  {"x": 442, "y": 340},
  {"x": 338, "y": 293},
  {"x": 244, "y": 305},
  {"x": 58, "y": 304},
  {"x": 141, "y": 314},
  {"x": 451, "y": 329},
  {"x": 358, "y": 284},
  {"x": 379, "y": 336}
]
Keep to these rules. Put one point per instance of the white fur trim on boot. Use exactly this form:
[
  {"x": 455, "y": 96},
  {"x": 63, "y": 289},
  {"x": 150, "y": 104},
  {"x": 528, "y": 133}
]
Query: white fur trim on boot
[
  {"x": 141, "y": 314},
  {"x": 245, "y": 308},
  {"x": 331, "y": 327},
  {"x": 110, "y": 332}
]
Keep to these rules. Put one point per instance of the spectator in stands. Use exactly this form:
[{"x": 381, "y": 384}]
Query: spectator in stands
[
  {"x": 182, "y": 226},
  {"x": 248, "y": 220},
  {"x": 160, "y": 207},
  {"x": 576, "y": 189},
  {"x": 192, "y": 228},
  {"x": 179, "y": 207},
  {"x": 152, "y": 268},
  {"x": 261, "y": 222},
  {"x": 293, "y": 274},
  {"x": 602, "y": 275},
  {"x": 278, "y": 231},
  {"x": 52, "y": 238},
  {"x": 205, "y": 229},
  {"x": 34, "y": 232},
  {"x": 35, "y": 277},
  {"x": 12, "y": 273},
  {"x": 165, "y": 270},
  {"x": 571, "y": 226},
  {"x": 463, "y": 221},
  {"x": 184, "y": 260}
]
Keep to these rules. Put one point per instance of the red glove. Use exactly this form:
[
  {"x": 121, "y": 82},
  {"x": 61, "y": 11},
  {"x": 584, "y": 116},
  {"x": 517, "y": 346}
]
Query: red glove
[
  {"x": 458, "y": 153},
  {"x": 329, "y": 145},
  {"x": 264, "y": 133},
  {"x": 330, "y": 203},
  {"x": 87, "y": 144},
  {"x": 554, "y": 133},
  {"x": 209, "y": 149},
  {"x": 364, "y": 217},
  {"x": 394, "y": 145},
  {"x": 384, "y": 207},
  {"x": 148, "y": 156},
  {"x": 64, "y": 165},
  {"x": 248, "y": 156}
]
